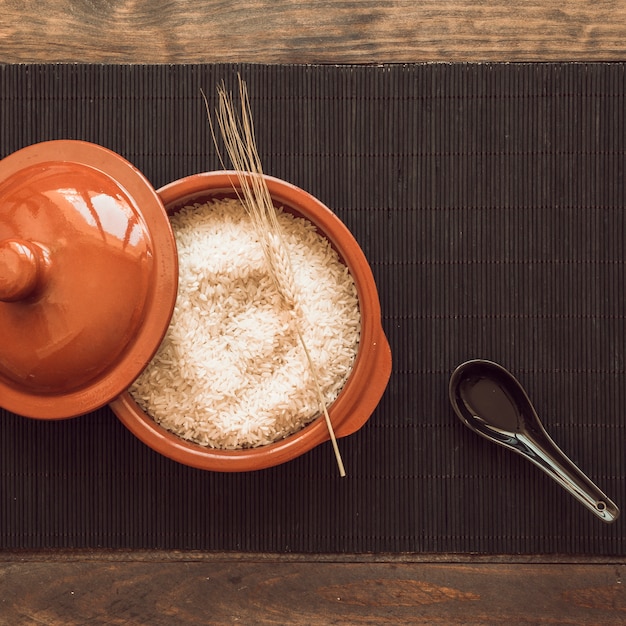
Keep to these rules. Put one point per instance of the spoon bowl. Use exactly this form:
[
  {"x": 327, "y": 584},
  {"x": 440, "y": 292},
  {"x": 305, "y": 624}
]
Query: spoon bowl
[{"x": 490, "y": 401}]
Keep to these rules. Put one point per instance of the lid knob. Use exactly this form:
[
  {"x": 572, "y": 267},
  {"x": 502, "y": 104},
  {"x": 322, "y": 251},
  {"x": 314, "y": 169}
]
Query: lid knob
[{"x": 21, "y": 269}]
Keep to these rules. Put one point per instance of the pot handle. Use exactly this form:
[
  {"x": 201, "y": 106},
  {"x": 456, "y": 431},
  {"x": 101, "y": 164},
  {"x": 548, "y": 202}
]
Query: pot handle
[{"x": 377, "y": 378}]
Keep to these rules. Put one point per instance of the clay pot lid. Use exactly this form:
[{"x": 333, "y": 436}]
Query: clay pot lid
[{"x": 88, "y": 277}]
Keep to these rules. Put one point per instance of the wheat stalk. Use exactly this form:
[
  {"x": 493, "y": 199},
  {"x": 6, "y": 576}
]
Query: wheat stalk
[{"x": 239, "y": 140}]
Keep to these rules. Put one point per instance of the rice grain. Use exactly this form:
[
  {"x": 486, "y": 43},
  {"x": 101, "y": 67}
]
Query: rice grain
[{"x": 231, "y": 372}]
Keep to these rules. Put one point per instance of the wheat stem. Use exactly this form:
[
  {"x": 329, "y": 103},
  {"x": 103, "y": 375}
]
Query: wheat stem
[{"x": 239, "y": 140}]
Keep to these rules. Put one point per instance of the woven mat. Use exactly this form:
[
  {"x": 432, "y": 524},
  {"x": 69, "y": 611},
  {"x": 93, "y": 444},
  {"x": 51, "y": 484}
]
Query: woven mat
[{"x": 490, "y": 201}]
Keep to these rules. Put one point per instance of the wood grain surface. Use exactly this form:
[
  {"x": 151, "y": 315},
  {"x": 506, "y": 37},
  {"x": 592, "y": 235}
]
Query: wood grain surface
[
  {"x": 232, "y": 590},
  {"x": 294, "y": 31}
]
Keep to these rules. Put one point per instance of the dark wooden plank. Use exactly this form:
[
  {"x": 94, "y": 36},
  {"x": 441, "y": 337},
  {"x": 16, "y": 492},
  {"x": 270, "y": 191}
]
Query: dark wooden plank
[
  {"x": 274, "y": 590},
  {"x": 284, "y": 31}
]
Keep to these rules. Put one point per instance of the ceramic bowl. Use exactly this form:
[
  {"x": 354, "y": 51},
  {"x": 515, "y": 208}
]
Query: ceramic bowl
[{"x": 365, "y": 385}]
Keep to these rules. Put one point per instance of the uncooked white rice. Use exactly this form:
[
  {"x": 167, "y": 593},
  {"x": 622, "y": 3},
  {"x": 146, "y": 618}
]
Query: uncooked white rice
[{"x": 231, "y": 372}]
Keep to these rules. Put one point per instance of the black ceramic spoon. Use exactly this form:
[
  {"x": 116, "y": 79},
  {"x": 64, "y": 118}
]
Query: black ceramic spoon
[{"x": 490, "y": 401}]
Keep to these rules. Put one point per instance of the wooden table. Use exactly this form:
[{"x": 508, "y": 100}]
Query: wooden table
[
  {"x": 290, "y": 31},
  {"x": 168, "y": 588}
]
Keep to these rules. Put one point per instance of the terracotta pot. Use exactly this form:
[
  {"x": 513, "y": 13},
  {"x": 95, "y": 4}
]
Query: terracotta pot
[{"x": 363, "y": 389}]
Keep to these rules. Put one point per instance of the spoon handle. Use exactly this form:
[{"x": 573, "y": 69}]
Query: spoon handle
[{"x": 544, "y": 453}]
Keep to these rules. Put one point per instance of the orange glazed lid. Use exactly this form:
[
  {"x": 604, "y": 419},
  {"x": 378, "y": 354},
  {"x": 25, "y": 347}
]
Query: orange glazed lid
[{"x": 88, "y": 277}]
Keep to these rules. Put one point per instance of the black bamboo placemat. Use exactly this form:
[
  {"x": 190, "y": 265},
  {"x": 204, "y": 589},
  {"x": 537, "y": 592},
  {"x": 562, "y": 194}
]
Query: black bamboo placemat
[{"x": 490, "y": 201}]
